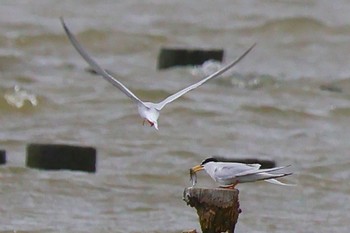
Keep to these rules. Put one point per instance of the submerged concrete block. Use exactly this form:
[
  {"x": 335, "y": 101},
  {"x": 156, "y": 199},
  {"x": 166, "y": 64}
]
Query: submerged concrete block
[
  {"x": 2, "y": 157},
  {"x": 170, "y": 57},
  {"x": 60, "y": 156}
]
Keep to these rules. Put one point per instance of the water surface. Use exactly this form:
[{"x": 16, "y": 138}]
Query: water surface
[{"x": 288, "y": 100}]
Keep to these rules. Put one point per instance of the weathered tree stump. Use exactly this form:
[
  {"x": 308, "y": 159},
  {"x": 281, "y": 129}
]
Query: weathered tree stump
[
  {"x": 2, "y": 156},
  {"x": 60, "y": 156},
  {"x": 170, "y": 57},
  {"x": 218, "y": 209}
]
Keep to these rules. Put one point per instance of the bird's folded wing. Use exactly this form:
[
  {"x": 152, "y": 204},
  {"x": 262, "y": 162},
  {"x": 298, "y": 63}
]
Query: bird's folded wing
[
  {"x": 230, "y": 170},
  {"x": 251, "y": 172}
]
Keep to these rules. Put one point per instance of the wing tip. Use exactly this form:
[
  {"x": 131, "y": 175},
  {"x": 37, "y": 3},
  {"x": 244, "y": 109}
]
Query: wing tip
[{"x": 62, "y": 21}]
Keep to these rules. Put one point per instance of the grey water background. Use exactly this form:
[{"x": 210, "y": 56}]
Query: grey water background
[{"x": 288, "y": 100}]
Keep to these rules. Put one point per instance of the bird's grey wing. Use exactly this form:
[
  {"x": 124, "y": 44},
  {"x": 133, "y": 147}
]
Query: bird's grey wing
[
  {"x": 178, "y": 94},
  {"x": 96, "y": 67},
  {"x": 254, "y": 171},
  {"x": 230, "y": 170}
]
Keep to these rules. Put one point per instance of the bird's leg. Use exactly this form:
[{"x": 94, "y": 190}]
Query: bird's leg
[
  {"x": 151, "y": 123},
  {"x": 143, "y": 123},
  {"x": 232, "y": 186}
]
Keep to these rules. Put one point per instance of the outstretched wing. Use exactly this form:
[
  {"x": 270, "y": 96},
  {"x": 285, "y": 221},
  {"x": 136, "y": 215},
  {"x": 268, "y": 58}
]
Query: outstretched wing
[
  {"x": 97, "y": 68},
  {"x": 178, "y": 94}
]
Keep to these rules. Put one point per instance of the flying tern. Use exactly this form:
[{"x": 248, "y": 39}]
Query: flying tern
[
  {"x": 148, "y": 111},
  {"x": 228, "y": 175}
]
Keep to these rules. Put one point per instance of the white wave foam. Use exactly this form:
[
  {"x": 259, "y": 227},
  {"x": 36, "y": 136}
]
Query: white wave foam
[{"x": 19, "y": 97}]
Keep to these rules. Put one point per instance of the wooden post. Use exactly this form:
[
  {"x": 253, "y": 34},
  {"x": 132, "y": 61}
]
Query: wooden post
[{"x": 218, "y": 209}]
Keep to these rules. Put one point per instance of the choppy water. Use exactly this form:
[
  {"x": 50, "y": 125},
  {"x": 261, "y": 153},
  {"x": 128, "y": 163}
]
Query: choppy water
[{"x": 289, "y": 100}]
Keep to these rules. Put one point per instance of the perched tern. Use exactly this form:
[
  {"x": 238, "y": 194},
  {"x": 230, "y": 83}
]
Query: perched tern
[
  {"x": 148, "y": 111},
  {"x": 228, "y": 175}
]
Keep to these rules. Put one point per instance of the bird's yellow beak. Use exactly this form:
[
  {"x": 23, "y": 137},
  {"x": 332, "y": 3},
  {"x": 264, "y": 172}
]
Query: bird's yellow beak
[{"x": 197, "y": 168}]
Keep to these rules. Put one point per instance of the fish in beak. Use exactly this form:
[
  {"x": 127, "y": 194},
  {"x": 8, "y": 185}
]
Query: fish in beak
[
  {"x": 193, "y": 174},
  {"x": 197, "y": 168}
]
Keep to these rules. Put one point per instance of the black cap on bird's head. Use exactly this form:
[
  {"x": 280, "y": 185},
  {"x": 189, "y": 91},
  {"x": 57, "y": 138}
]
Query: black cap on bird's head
[
  {"x": 209, "y": 160},
  {"x": 201, "y": 166}
]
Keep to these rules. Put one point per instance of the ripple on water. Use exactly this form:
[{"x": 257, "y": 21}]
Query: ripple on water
[
  {"x": 278, "y": 111},
  {"x": 296, "y": 26}
]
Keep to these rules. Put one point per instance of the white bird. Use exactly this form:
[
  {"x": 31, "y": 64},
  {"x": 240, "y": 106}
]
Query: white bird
[
  {"x": 148, "y": 111},
  {"x": 228, "y": 175}
]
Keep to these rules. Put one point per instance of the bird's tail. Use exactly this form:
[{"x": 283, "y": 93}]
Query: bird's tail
[
  {"x": 260, "y": 171},
  {"x": 271, "y": 178},
  {"x": 274, "y": 181}
]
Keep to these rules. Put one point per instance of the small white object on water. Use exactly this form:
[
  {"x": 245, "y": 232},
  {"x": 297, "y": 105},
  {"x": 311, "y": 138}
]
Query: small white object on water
[
  {"x": 19, "y": 97},
  {"x": 207, "y": 68}
]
